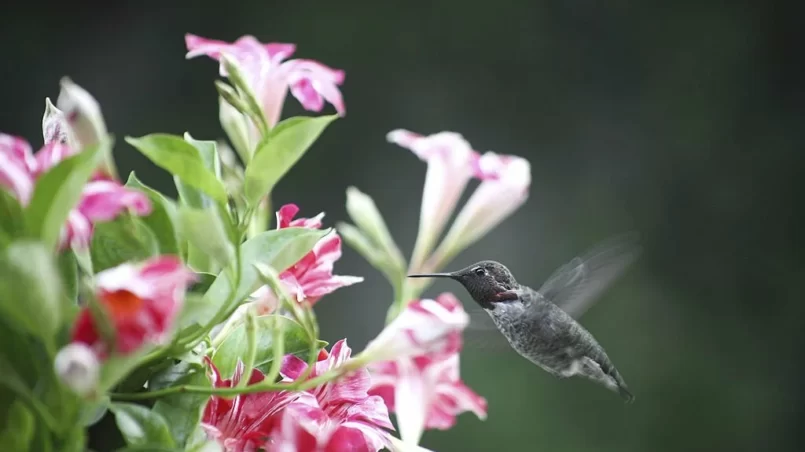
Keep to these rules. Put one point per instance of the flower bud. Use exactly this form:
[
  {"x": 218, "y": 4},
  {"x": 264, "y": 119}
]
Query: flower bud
[
  {"x": 78, "y": 368},
  {"x": 82, "y": 113},
  {"x": 55, "y": 128},
  {"x": 363, "y": 211}
]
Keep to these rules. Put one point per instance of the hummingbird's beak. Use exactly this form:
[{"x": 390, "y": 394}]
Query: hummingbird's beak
[{"x": 432, "y": 275}]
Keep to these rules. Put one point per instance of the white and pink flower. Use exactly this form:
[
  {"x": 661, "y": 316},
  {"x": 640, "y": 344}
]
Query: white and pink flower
[
  {"x": 141, "y": 301},
  {"x": 338, "y": 415},
  {"x": 425, "y": 326},
  {"x": 270, "y": 76}
]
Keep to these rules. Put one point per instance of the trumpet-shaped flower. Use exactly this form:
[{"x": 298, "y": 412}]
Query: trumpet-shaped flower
[
  {"x": 426, "y": 392},
  {"x": 504, "y": 190},
  {"x": 140, "y": 301},
  {"x": 270, "y": 76},
  {"x": 425, "y": 326},
  {"x": 338, "y": 415},
  {"x": 247, "y": 421},
  {"x": 451, "y": 164},
  {"x": 102, "y": 198}
]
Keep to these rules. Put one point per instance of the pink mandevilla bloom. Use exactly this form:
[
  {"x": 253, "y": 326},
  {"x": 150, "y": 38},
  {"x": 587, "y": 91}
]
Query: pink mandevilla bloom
[
  {"x": 507, "y": 179},
  {"x": 247, "y": 421},
  {"x": 102, "y": 198},
  {"x": 336, "y": 416},
  {"x": 425, "y": 326},
  {"x": 451, "y": 164},
  {"x": 270, "y": 76},
  {"x": 141, "y": 302},
  {"x": 426, "y": 392},
  {"x": 312, "y": 277}
]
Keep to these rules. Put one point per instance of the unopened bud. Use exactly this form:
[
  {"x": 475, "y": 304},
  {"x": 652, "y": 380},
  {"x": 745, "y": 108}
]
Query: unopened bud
[
  {"x": 82, "y": 113},
  {"x": 55, "y": 128},
  {"x": 363, "y": 211},
  {"x": 78, "y": 368}
]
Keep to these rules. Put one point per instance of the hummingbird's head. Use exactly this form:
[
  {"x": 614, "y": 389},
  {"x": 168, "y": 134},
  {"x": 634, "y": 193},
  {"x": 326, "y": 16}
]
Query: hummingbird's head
[{"x": 488, "y": 282}]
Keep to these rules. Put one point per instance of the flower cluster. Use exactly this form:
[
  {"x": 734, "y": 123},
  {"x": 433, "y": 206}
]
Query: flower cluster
[{"x": 135, "y": 295}]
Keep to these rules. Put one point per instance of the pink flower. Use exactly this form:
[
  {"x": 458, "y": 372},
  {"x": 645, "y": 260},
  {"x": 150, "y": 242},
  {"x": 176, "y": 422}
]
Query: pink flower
[
  {"x": 245, "y": 422},
  {"x": 141, "y": 302},
  {"x": 504, "y": 190},
  {"x": 426, "y": 392},
  {"x": 336, "y": 416},
  {"x": 312, "y": 277},
  {"x": 451, "y": 164},
  {"x": 270, "y": 76},
  {"x": 102, "y": 199},
  {"x": 425, "y": 326}
]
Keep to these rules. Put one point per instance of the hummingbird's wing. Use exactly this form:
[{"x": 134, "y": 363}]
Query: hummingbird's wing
[{"x": 575, "y": 285}]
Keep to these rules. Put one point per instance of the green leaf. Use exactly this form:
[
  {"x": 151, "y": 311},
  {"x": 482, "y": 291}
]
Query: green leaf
[
  {"x": 184, "y": 410},
  {"x": 197, "y": 309},
  {"x": 234, "y": 344},
  {"x": 124, "y": 239},
  {"x": 206, "y": 231},
  {"x": 280, "y": 249},
  {"x": 181, "y": 159},
  {"x": 163, "y": 217},
  {"x": 57, "y": 192},
  {"x": 19, "y": 428},
  {"x": 31, "y": 289},
  {"x": 13, "y": 224},
  {"x": 68, "y": 268},
  {"x": 284, "y": 145},
  {"x": 141, "y": 426}
]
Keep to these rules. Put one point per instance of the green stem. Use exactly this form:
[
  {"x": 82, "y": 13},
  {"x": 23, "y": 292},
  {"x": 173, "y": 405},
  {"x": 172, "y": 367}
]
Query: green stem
[
  {"x": 37, "y": 407},
  {"x": 251, "y": 348},
  {"x": 279, "y": 350},
  {"x": 265, "y": 386}
]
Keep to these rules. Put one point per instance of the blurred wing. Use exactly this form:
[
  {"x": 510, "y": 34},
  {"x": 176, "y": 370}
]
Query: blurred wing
[{"x": 575, "y": 286}]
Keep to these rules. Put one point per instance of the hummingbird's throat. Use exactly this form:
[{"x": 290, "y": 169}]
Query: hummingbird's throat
[{"x": 506, "y": 295}]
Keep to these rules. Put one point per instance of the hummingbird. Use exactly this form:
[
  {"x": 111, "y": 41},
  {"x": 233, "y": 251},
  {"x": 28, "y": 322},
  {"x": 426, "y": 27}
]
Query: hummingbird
[{"x": 538, "y": 323}]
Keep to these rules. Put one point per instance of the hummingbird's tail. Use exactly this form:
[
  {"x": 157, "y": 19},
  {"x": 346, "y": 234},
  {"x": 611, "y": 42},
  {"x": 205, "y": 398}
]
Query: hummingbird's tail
[{"x": 624, "y": 392}]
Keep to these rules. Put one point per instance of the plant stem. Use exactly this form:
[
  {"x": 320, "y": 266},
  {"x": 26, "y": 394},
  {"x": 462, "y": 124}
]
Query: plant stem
[{"x": 265, "y": 386}]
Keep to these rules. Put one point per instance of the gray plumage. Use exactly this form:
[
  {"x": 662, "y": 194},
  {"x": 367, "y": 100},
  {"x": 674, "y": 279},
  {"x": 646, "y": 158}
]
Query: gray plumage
[{"x": 537, "y": 327}]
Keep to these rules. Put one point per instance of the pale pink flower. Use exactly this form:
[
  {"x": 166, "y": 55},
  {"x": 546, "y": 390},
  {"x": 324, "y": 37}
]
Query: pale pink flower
[
  {"x": 425, "y": 392},
  {"x": 247, "y": 421},
  {"x": 504, "y": 190},
  {"x": 451, "y": 164},
  {"x": 425, "y": 326},
  {"x": 312, "y": 277},
  {"x": 270, "y": 76},
  {"x": 141, "y": 302},
  {"x": 336, "y": 416},
  {"x": 102, "y": 198}
]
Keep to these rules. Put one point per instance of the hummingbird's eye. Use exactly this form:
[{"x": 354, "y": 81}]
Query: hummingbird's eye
[{"x": 480, "y": 271}]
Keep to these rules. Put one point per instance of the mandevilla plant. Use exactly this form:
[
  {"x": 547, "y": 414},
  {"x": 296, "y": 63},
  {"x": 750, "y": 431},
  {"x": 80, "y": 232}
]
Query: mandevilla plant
[{"x": 191, "y": 320}]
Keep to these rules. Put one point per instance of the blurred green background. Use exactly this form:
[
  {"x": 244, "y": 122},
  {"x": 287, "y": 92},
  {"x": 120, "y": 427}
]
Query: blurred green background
[{"x": 681, "y": 120}]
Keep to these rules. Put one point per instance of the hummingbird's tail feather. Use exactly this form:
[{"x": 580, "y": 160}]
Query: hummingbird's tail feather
[{"x": 624, "y": 392}]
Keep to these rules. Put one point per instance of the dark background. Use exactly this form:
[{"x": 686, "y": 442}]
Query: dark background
[{"x": 682, "y": 120}]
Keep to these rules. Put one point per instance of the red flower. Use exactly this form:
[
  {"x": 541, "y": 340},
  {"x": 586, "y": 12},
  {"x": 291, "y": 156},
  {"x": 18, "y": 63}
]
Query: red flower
[
  {"x": 245, "y": 422},
  {"x": 141, "y": 302}
]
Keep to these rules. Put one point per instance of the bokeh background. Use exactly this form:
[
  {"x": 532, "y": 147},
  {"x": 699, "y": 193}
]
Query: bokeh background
[{"x": 682, "y": 121}]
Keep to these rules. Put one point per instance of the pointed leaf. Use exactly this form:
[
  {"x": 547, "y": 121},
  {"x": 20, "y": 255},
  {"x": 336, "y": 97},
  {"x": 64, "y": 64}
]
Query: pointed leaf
[
  {"x": 234, "y": 344},
  {"x": 181, "y": 159},
  {"x": 13, "y": 224},
  {"x": 162, "y": 219},
  {"x": 124, "y": 239},
  {"x": 279, "y": 249},
  {"x": 206, "y": 231},
  {"x": 58, "y": 191},
  {"x": 68, "y": 268},
  {"x": 18, "y": 429},
  {"x": 184, "y": 410},
  {"x": 31, "y": 289},
  {"x": 284, "y": 145},
  {"x": 141, "y": 426}
]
